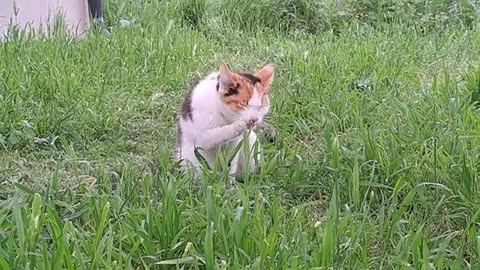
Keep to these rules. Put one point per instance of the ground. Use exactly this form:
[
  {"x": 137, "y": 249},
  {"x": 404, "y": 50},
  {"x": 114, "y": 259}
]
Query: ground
[{"x": 376, "y": 163}]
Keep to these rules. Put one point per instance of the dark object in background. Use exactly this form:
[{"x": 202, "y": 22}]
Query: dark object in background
[
  {"x": 269, "y": 132},
  {"x": 365, "y": 84},
  {"x": 96, "y": 11}
]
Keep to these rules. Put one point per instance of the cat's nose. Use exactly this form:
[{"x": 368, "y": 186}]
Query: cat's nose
[{"x": 253, "y": 120}]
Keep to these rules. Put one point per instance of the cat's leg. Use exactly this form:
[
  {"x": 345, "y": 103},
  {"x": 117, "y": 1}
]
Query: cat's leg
[
  {"x": 255, "y": 152},
  {"x": 211, "y": 138},
  {"x": 189, "y": 161},
  {"x": 233, "y": 166},
  {"x": 254, "y": 156}
]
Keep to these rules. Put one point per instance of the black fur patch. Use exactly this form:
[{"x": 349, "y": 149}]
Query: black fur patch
[
  {"x": 187, "y": 103},
  {"x": 232, "y": 90},
  {"x": 252, "y": 78},
  {"x": 179, "y": 135}
]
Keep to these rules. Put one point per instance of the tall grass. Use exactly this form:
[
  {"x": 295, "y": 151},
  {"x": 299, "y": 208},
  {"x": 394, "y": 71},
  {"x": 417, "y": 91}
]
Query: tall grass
[{"x": 376, "y": 164}]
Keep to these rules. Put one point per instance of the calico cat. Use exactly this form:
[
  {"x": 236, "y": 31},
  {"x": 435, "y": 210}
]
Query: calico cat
[{"x": 217, "y": 110}]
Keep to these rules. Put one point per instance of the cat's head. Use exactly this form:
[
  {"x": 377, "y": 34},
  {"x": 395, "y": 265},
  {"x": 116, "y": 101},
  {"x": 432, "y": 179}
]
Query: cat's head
[{"x": 246, "y": 94}]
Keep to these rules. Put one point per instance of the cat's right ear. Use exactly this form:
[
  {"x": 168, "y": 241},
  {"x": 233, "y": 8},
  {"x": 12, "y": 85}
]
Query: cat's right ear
[{"x": 225, "y": 77}]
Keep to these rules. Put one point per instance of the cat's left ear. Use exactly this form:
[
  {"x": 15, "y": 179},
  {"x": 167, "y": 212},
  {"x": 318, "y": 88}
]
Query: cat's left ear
[
  {"x": 266, "y": 76},
  {"x": 225, "y": 76}
]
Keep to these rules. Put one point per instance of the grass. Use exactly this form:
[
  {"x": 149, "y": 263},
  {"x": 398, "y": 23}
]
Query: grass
[{"x": 376, "y": 165}]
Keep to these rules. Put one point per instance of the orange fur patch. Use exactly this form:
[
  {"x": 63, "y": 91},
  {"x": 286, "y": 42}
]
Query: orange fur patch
[{"x": 245, "y": 92}]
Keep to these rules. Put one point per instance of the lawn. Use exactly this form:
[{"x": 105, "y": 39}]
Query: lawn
[{"x": 376, "y": 164}]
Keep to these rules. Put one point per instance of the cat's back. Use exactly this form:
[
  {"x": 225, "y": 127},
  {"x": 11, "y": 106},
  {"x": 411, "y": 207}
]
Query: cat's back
[
  {"x": 204, "y": 91},
  {"x": 200, "y": 101}
]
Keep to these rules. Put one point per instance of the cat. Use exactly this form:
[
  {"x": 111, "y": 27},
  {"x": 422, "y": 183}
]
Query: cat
[{"x": 216, "y": 111}]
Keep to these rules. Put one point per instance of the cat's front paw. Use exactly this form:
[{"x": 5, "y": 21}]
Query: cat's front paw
[{"x": 239, "y": 127}]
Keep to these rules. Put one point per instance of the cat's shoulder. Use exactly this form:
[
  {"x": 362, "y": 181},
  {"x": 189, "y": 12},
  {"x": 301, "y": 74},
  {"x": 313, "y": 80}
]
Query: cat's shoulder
[{"x": 191, "y": 97}]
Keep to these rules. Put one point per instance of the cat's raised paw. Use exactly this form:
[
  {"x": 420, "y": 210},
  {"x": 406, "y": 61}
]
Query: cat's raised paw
[{"x": 239, "y": 126}]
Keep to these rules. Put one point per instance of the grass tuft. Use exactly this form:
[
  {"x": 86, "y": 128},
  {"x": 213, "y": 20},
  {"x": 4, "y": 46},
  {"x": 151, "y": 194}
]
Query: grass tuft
[{"x": 375, "y": 165}]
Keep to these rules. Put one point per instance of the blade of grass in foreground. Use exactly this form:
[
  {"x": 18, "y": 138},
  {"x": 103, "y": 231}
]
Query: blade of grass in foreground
[
  {"x": 21, "y": 248},
  {"x": 211, "y": 214}
]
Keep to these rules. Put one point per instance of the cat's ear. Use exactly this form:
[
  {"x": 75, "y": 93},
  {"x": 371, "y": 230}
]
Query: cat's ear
[
  {"x": 266, "y": 76},
  {"x": 225, "y": 76}
]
